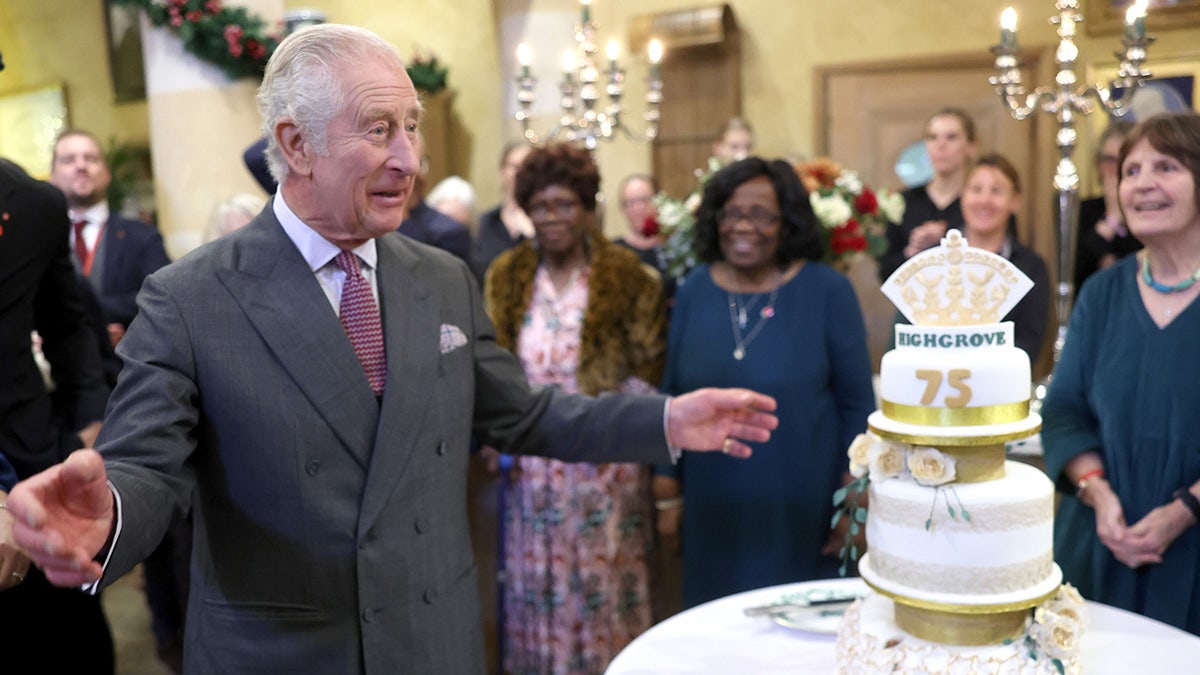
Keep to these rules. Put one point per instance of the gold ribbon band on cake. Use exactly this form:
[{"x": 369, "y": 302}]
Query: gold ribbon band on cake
[
  {"x": 977, "y": 464},
  {"x": 956, "y": 417},
  {"x": 961, "y": 629}
]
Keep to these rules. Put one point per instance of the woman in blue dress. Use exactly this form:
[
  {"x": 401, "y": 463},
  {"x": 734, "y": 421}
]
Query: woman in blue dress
[
  {"x": 1121, "y": 425},
  {"x": 764, "y": 313}
]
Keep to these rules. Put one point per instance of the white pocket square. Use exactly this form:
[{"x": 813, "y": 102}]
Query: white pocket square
[{"x": 451, "y": 338}]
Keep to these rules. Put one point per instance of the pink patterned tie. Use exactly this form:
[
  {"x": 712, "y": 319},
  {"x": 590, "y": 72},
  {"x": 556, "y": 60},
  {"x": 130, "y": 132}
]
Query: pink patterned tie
[{"x": 360, "y": 318}]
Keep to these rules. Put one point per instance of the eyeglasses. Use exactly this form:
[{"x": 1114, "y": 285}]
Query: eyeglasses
[
  {"x": 560, "y": 207},
  {"x": 760, "y": 218},
  {"x": 638, "y": 201}
]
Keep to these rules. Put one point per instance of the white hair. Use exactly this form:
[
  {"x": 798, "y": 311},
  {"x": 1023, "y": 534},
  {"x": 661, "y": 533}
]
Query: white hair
[
  {"x": 243, "y": 204},
  {"x": 453, "y": 188},
  {"x": 301, "y": 82}
]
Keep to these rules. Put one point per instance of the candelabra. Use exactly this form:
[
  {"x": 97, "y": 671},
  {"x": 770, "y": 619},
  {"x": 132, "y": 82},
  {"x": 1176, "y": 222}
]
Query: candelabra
[
  {"x": 1065, "y": 101},
  {"x": 582, "y": 119}
]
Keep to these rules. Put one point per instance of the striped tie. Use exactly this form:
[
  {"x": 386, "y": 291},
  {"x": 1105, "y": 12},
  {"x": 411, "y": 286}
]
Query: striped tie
[{"x": 360, "y": 318}]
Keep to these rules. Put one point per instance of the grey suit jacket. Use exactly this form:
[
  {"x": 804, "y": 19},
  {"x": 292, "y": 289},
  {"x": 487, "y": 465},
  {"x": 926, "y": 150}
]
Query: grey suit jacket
[{"x": 331, "y": 531}]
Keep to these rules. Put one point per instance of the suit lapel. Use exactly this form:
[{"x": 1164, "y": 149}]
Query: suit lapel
[
  {"x": 283, "y": 299},
  {"x": 410, "y": 327}
]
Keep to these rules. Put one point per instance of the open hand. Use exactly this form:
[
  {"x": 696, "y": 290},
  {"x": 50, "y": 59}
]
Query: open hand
[
  {"x": 721, "y": 419},
  {"x": 63, "y": 517}
]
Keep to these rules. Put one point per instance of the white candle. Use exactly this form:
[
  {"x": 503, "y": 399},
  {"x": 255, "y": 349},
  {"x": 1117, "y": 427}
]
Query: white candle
[
  {"x": 524, "y": 57},
  {"x": 1135, "y": 20},
  {"x": 568, "y": 64},
  {"x": 1008, "y": 27},
  {"x": 655, "y": 52}
]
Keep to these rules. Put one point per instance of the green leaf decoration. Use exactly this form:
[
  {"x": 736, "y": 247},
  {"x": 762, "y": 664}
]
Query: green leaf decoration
[
  {"x": 1058, "y": 666},
  {"x": 928, "y": 523},
  {"x": 966, "y": 515},
  {"x": 837, "y": 516},
  {"x": 854, "y": 529},
  {"x": 953, "y": 516},
  {"x": 839, "y": 495},
  {"x": 860, "y": 515},
  {"x": 854, "y": 552}
]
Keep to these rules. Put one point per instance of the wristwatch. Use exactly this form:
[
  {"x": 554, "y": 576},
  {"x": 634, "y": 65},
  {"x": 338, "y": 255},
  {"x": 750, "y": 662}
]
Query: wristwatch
[{"x": 1189, "y": 500}]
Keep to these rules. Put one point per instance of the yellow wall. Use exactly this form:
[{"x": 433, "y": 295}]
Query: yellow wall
[
  {"x": 782, "y": 43},
  {"x": 63, "y": 42}
]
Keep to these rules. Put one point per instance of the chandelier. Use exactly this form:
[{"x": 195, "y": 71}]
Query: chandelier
[
  {"x": 1068, "y": 100},
  {"x": 583, "y": 119}
]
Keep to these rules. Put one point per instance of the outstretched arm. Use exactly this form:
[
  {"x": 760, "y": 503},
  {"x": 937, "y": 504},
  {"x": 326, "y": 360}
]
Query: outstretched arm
[
  {"x": 720, "y": 419},
  {"x": 64, "y": 515}
]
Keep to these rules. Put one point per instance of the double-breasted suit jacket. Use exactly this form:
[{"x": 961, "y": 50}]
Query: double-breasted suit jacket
[{"x": 331, "y": 529}]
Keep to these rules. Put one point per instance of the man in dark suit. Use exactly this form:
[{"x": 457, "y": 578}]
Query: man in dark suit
[
  {"x": 114, "y": 252},
  {"x": 310, "y": 385},
  {"x": 39, "y": 291}
]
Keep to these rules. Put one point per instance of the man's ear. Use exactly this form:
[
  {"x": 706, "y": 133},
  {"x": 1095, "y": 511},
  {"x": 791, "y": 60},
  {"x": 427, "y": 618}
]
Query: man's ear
[{"x": 297, "y": 151}]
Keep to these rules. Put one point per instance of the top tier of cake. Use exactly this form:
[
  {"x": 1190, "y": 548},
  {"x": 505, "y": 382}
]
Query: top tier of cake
[{"x": 964, "y": 385}]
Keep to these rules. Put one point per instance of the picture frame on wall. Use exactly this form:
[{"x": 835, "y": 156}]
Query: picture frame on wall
[
  {"x": 1106, "y": 17},
  {"x": 125, "y": 60}
]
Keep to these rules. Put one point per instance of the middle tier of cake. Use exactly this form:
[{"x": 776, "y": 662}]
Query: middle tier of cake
[{"x": 978, "y": 543}]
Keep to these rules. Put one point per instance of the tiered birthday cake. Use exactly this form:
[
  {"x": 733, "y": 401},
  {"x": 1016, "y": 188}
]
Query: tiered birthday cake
[{"x": 960, "y": 540}]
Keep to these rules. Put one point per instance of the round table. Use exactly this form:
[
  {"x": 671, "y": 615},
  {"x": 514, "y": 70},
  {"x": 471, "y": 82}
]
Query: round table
[{"x": 717, "y": 638}]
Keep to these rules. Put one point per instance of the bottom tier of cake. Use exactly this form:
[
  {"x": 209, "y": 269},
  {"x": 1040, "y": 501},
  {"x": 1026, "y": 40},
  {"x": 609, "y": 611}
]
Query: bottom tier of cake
[{"x": 870, "y": 642}]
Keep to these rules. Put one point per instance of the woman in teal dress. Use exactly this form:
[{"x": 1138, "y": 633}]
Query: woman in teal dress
[
  {"x": 1122, "y": 418},
  {"x": 764, "y": 313}
]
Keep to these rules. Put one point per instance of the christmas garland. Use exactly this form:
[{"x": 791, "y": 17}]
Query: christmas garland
[{"x": 238, "y": 42}]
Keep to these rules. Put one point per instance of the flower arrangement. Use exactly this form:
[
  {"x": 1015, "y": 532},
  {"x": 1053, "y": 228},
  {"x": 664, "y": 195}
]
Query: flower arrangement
[
  {"x": 1056, "y": 628},
  {"x": 854, "y": 217},
  {"x": 238, "y": 42},
  {"x": 675, "y": 219}
]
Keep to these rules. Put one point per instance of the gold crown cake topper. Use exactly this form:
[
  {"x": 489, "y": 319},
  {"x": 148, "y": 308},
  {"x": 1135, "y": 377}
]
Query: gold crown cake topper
[{"x": 956, "y": 285}]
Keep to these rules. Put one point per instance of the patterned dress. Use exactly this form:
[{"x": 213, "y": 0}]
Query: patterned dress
[{"x": 576, "y": 535}]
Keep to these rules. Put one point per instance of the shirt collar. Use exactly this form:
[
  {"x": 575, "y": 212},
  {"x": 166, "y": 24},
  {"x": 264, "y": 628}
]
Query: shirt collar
[
  {"x": 317, "y": 250},
  {"x": 96, "y": 214}
]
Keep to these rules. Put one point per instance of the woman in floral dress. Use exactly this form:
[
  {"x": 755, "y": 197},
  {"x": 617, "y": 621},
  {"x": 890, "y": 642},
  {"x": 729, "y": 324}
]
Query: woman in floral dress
[{"x": 584, "y": 315}]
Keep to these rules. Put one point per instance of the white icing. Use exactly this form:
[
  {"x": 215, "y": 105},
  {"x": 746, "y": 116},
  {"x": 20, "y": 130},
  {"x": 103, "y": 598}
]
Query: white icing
[
  {"x": 869, "y": 642},
  {"x": 1005, "y": 546},
  {"x": 998, "y": 374}
]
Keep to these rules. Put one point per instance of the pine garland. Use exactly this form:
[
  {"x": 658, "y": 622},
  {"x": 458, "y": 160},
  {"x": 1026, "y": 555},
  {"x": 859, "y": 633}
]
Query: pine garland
[{"x": 239, "y": 43}]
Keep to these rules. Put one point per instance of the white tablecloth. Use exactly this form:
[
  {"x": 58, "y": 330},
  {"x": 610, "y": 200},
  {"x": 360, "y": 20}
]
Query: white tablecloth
[{"x": 717, "y": 638}]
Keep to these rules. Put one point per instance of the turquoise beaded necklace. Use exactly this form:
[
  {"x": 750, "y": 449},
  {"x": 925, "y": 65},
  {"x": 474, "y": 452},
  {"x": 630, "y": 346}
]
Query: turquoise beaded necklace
[{"x": 1163, "y": 288}]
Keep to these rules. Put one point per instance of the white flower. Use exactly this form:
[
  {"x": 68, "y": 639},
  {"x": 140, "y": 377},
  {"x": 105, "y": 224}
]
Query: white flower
[
  {"x": 859, "y": 453},
  {"x": 832, "y": 211},
  {"x": 1067, "y": 603},
  {"x": 693, "y": 202},
  {"x": 849, "y": 181},
  {"x": 930, "y": 466},
  {"x": 891, "y": 204},
  {"x": 885, "y": 460},
  {"x": 1056, "y": 635}
]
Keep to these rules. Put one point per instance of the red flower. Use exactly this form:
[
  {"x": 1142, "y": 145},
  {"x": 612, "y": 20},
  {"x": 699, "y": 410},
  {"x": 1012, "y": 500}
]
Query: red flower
[
  {"x": 847, "y": 238},
  {"x": 176, "y": 20},
  {"x": 650, "y": 227},
  {"x": 195, "y": 15},
  {"x": 213, "y": 6},
  {"x": 235, "y": 49},
  {"x": 233, "y": 33},
  {"x": 257, "y": 49},
  {"x": 866, "y": 202}
]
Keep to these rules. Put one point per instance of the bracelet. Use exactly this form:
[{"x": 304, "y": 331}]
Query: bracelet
[
  {"x": 1189, "y": 500},
  {"x": 1082, "y": 484},
  {"x": 668, "y": 503}
]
